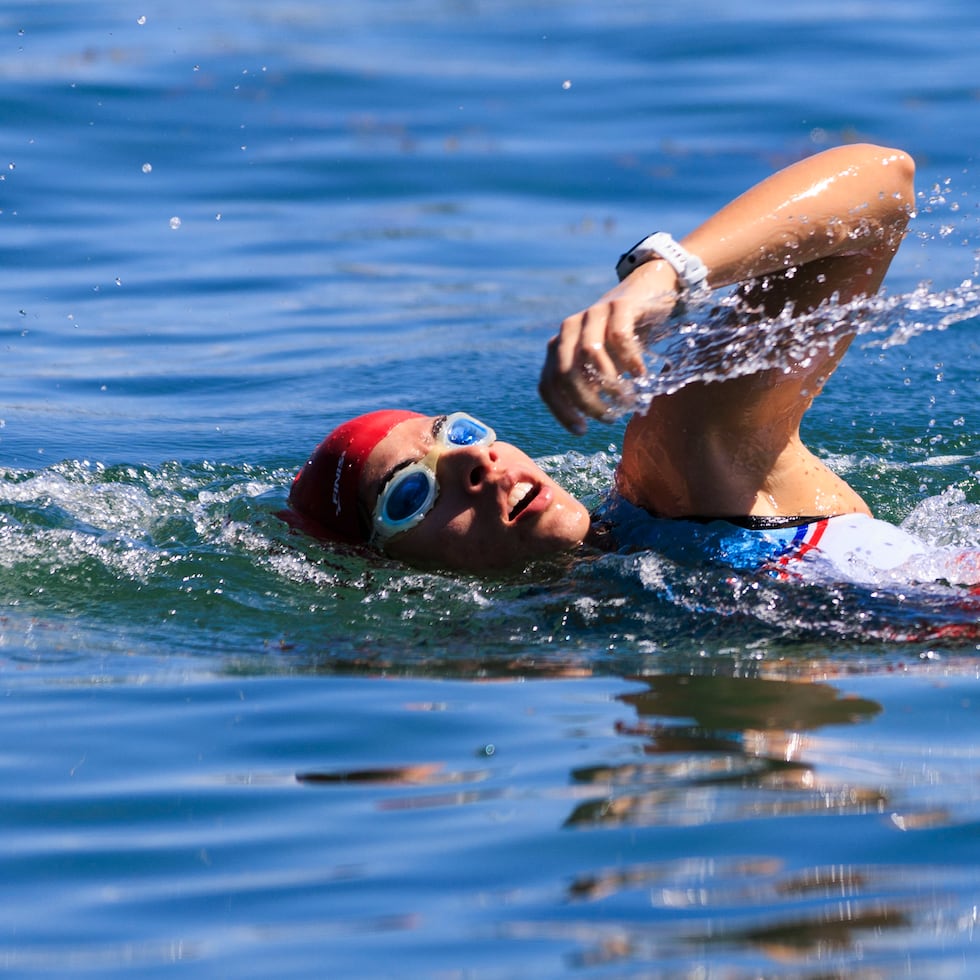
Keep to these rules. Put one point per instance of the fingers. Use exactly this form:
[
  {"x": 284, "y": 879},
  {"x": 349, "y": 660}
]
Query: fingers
[
  {"x": 622, "y": 341},
  {"x": 559, "y": 396},
  {"x": 585, "y": 361},
  {"x": 588, "y": 361}
]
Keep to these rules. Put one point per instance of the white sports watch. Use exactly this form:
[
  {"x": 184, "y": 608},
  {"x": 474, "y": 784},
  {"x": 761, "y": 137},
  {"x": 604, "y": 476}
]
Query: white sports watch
[{"x": 691, "y": 271}]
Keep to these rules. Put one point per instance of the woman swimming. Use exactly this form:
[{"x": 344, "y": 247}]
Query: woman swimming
[{"x": 444, "y": 492}]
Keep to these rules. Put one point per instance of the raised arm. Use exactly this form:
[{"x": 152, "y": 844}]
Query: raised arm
[{"x": 835, "y": 219}]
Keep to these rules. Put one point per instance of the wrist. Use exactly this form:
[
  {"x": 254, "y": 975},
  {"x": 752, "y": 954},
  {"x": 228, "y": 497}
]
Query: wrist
[
  {"x": 654, "y": 278},
  {"x": 691, "y": 273}
]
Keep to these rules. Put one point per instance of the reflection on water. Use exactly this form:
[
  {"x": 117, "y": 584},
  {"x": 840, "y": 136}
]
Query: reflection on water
[
  {"x": 707, "y": 733},
  {"x": 710, "y": 907},
  {"x": 732, "y": 752},
  {"x": 776, "y": 825},
  {"x": 731, "y": 749}
]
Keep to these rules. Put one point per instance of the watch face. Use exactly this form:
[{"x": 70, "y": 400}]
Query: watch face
[
  {"x": 636, "y": 256},
  {"x": 626, "y": 264}
]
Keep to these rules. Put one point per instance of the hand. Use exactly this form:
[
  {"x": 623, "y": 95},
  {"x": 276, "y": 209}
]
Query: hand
[{"x": 587, "y": 360}]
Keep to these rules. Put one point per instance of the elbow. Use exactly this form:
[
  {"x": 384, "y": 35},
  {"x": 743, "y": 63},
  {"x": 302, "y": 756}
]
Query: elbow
[
  {"x": 893, "y": 172},
  {"x": 898, "y": 182},
  {"x": 902, "y": 167}
]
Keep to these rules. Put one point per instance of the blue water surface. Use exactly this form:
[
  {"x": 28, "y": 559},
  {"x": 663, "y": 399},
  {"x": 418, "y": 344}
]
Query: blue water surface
[{"x": 227, "y": 751}]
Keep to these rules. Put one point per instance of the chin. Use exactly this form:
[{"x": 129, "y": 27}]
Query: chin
[{"x": 569, "y": 525}]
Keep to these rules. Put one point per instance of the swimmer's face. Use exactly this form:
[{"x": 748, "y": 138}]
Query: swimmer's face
[{"x": 496, "y": 508}]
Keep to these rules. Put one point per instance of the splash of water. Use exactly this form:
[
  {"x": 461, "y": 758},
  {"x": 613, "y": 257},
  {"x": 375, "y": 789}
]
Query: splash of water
[{"x": 710, "y": 341}]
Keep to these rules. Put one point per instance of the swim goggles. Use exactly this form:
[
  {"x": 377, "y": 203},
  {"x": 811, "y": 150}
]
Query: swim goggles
[{"x": 411, "y": 493}]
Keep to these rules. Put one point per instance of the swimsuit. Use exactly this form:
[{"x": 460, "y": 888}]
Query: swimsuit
[{"x": 847, "y": 548}]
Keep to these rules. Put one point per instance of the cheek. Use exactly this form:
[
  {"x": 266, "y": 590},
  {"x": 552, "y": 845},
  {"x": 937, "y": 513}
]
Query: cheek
[
  {"x": 436, "y": 542},
  {"x": 463, "y": 542}
]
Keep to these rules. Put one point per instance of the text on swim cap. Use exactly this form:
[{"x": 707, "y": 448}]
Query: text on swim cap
[{"x": 335, "y": 496}]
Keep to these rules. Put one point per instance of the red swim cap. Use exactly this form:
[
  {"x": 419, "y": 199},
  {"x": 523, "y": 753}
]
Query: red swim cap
[{"x": 324, "y": 492}]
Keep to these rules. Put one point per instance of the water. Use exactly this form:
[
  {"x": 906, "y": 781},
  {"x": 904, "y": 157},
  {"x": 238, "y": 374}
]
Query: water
[{"x": 226, "y": 227}]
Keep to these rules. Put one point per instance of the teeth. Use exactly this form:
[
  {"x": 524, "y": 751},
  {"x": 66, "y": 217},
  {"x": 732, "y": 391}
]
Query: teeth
[{"x": 517, "y": 495}]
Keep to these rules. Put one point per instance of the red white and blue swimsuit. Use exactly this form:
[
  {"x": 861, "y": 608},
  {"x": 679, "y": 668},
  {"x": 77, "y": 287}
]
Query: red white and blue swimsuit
[{"x": 848, "y": 548}]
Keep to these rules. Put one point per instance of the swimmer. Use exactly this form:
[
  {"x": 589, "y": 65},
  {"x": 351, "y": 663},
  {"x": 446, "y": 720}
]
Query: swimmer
[{"x": 444, "y": 492}]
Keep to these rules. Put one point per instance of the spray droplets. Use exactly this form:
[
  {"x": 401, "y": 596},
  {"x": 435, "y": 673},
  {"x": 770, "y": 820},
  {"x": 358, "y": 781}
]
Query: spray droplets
[{"x": 703, "y": 347}]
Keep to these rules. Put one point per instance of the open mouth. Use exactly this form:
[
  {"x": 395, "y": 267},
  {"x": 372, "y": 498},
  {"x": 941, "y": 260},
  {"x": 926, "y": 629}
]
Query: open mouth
[{"x": 520, "y": 497}]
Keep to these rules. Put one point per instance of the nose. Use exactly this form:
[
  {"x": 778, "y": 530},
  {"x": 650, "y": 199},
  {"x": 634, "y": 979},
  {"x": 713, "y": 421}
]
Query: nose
[{"x": 470, "y": 467}]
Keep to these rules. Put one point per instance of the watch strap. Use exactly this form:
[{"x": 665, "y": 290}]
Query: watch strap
[{"x": 692, "y": 273}]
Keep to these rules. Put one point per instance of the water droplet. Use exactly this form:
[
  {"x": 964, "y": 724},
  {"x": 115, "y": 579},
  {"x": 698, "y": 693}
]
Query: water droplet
[{"x": 175, "y": 222}]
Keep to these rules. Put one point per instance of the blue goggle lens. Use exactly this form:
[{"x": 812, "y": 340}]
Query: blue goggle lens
[
  {"x": 462, "y": 430},
  {"x": 407, "y": 496}
]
